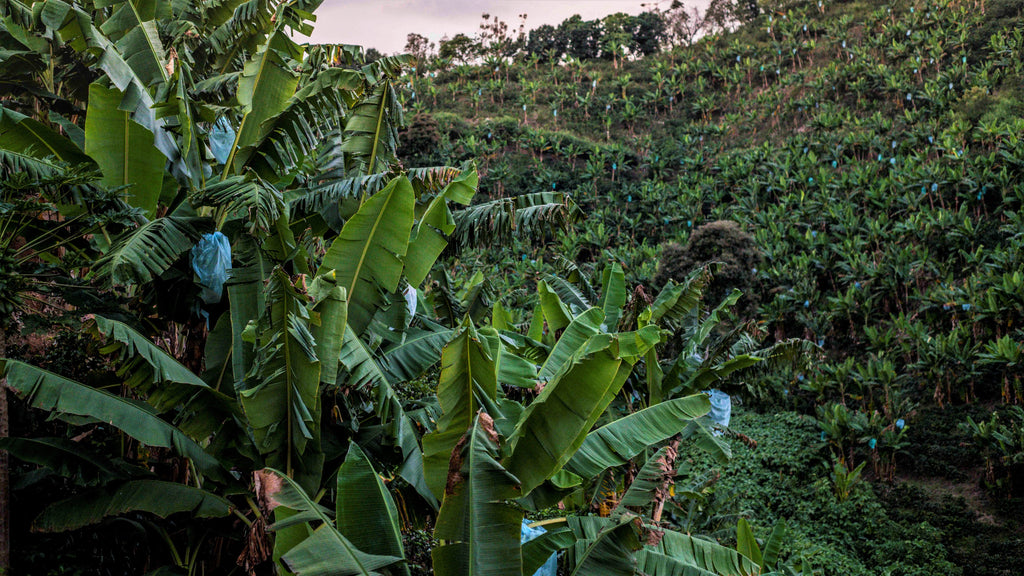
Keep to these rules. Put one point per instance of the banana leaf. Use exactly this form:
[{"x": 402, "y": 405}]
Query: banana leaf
[
  {"x": 478, "y": 525},
  {"x": 152, "y": 496},
  {"x": 615, "y": 443},
  {"x": 53, "y": 393}
]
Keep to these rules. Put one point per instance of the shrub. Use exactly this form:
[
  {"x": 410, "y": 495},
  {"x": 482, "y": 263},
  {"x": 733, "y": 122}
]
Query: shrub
[
  {"x": 421, "y": 140},
  {"x": 722, "y": 241}
]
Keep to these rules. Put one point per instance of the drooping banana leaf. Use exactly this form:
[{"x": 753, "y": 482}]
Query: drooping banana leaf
[
  {"x": 264, "y": 88},
  {"x": 534, "y": 217},
  {"x": 616, "y": 443},
  {"x": 366, "y": 513},
  {"x": 151, "y": 496},
  {"x": 248, "y": 197},
  {"x": 146, "y": 252},
  {"x": 326, "y": 552},
  {"x": 676, "y": 301},
  {"x": 654, "y": 475},
  {"x": 684, "y": 552},
  {"x": 478, "y": 525},
  {"x": 468, "y": 378},
  {"x": 164, "y": 381},
  {"x": 21, "y": 134},
  {"x": 570, "y": 295},
  {"x": 537, "y": 551},
  {"x": 315, "y": 110},
  {"x": 367, "y": 255},
  {"x": 704, "y": 439},
  {"x": 67, "y": 458},
  {"x": 411, "y": 358},
  {"x": 48, "y": 391}
]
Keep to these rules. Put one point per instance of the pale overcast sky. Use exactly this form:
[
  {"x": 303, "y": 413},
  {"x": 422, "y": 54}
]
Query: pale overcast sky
[{"x": 384, "y": 24}]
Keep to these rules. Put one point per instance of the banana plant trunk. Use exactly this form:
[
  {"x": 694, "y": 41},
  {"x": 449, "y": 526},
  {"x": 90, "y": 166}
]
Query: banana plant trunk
[{"x": 5, "y": 477}]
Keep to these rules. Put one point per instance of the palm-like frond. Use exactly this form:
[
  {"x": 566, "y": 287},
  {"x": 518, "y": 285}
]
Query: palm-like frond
[
  {"x": 315, "y": 110},
  {"x": 248, "y": 197},
  {"x": 143, "y": 254},
  {"x": 371, "y": 133},
  {"x": 531, "y": 216}
]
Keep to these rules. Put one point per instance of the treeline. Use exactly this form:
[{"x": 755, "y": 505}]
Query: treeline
[{"x": 614, "y": 37}]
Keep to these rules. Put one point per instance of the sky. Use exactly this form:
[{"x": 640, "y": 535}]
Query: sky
[{"x": 384, "y": 24}]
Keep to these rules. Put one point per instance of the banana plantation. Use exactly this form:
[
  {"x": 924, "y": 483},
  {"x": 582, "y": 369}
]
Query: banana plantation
[{"x": 273, "y": 307}]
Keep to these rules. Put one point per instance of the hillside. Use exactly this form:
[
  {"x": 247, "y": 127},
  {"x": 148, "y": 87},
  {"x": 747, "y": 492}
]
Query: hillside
[{"x": 873, "y": 151}]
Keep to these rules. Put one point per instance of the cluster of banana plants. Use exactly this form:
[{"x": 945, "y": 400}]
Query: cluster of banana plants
[{"x": 207, "y": 123}]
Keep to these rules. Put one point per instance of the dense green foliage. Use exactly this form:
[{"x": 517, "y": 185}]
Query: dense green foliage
[{"x": 400, "y": 350}]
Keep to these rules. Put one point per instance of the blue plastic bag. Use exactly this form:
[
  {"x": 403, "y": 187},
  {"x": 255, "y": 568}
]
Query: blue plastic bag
[
  {"x": 550, "y": 567},
  {"x": 721, "y": 407},
  {"x": 222, "y": 138},
  {"x": 211, "y": 260}
]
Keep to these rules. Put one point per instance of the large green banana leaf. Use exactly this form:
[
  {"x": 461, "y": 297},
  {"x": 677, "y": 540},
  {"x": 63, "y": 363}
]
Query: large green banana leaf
[
  {"x": 367, "y": 255},
  {"x": 556, "y": 313},
  {"x": 247, "y": 300},
  {"x": 326, "y": 552},
  {"x": 615, "y": 443},
  {"x": 48, "y": 391},
  {"x": 555, "y": 424},
  {"x": 282, "y": 399},
  {"x": 468, "y": 378},
  {"x": 366, "y": 513},
  {"x": 478, "y": 525},
  {"x": 746, "y": 543},
  {"x": 123, "y": 149},
  {"x": 613, "y": 294},
  {"x": 575, "y": 335},
  {"x": 331, "y": 306},
  {"x": 152, "y": 496},
  {"x": 21, "y": 134}
]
